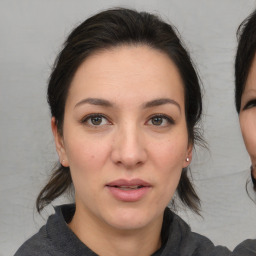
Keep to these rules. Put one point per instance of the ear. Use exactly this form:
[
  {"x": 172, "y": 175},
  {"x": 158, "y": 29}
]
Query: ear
[
  {"x": 59, "y": 143},
  {"x": 188, "y": 157}
]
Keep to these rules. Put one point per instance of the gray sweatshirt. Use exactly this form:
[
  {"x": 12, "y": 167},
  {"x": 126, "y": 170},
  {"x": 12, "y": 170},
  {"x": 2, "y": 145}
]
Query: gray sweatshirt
[{"x": 57, "y": 239}]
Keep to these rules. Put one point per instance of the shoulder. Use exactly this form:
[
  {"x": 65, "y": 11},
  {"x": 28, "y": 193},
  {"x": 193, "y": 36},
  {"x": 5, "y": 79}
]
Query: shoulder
[
  {"x": 191, "y": 243},
  {"x": 39, "y": 244},
  {"x": 48, "y": 242},
  {"x": 246, "y": 248}
]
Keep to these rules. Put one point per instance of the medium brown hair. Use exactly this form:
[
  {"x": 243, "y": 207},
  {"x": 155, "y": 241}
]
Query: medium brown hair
[{"x": 106, "y": 30}]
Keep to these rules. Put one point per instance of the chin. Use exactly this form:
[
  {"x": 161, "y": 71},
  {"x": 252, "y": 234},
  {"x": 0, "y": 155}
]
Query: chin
[{"x": 130, "y": 219}]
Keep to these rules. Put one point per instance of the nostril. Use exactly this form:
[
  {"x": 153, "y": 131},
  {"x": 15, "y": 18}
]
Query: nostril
[
  {"x": 139, "y": 163},
  {"x": 129, "y": 163}
]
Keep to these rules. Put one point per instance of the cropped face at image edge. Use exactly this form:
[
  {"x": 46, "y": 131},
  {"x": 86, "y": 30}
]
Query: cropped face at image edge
[
  {"x": 247, "y": 114},
  {"x": 124, "y": 136}
]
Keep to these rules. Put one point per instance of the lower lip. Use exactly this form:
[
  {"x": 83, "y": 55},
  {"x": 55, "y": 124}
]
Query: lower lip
[{"x": 132, "y": 195}]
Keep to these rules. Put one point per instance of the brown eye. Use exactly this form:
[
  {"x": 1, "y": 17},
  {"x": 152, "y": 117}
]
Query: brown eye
[
  {"x": 157, "y": 120},
  {"x": 96, "y": 120},
  {"x": 160, "y": 120}
]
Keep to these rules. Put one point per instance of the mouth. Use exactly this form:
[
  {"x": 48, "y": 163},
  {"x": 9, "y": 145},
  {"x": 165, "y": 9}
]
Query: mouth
[
  {"x": 129, "y": 190},
  {"x": 127, "y": 187},
  {"x": 128, "y": 184}
]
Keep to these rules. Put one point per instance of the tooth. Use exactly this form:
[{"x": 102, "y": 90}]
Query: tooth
[{"x": 129, "y": 187}]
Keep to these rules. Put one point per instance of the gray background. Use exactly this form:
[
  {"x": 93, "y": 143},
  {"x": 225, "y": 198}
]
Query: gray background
[{"x": 31, "y": 33}]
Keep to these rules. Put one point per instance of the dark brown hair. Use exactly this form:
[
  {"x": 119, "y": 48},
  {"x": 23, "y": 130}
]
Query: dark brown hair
[
  {"x": 106, "y": 30},
  {"x": 246, "y": 50}
]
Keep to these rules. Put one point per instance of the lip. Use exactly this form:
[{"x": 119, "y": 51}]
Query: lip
[{"x": 128, "y": 190}]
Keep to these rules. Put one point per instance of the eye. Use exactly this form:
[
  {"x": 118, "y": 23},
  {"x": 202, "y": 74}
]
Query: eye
[
  {"x": 160, "y": 120},
  {"x": 95, "y": 120},
  {"x": 250, "y": 104}
]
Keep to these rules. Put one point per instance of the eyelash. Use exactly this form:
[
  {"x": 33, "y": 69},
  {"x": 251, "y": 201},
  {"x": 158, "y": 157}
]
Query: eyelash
[
  {"x": 89, "y": 117},
  {"x": 250, "y": 104},
  {"x": 167, "y": 118}
]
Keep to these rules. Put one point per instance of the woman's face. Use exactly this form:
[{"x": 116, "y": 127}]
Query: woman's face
[
  {"x": 248, "y": 113},
  {"x": 125, "y": 136}
]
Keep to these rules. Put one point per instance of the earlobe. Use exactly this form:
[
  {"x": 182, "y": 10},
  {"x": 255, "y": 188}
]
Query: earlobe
[
  {"x": 188, "y": 158},
  {"x": 59, "y": 144}
]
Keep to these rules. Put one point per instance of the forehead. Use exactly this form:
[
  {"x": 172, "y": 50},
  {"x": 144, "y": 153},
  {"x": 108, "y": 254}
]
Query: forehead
[{"x": 134, "y": 70}]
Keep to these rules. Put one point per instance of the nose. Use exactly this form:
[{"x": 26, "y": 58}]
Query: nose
[{"x": 129, "y": 148}]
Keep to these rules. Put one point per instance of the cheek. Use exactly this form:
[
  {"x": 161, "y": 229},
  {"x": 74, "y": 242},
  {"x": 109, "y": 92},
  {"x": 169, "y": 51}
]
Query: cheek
[
  {"x": 169, "y": 160},
  {"x": 248, "y": 128},
  {"x": 171, "y": 152},
  {"x": 86, "y": 157}
]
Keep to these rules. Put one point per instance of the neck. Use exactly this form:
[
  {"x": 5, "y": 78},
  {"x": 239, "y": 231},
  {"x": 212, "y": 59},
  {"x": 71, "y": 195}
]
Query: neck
[{"x": 109, "y": 241}]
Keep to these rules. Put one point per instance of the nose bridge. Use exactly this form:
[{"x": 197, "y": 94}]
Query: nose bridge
[{"x": 129, "y": 146}]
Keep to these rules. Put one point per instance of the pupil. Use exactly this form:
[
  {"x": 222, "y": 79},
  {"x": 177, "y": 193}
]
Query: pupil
[
  {"x": 96, "y": 120},
  {"x": 157, "y": 120}
]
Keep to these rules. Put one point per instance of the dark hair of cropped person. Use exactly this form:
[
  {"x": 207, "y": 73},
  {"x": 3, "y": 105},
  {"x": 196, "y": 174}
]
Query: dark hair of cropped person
[
  {"x": 109, "y": 29},
  {"x": 246, "y": 50}
]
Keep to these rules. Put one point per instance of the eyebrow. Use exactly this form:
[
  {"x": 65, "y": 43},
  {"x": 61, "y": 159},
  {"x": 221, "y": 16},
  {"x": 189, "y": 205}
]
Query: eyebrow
[
  {"x": 161, "y": 101},
  {"x": 149, "y": 104},
  {"x": 95, "y": 101}
]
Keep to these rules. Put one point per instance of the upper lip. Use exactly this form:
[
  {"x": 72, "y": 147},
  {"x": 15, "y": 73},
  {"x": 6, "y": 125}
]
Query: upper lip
[{"x": 128, "y": 183}]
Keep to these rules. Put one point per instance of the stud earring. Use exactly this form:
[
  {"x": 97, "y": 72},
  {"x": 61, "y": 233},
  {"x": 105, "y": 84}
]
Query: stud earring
[{"x": 187, "y": 159}]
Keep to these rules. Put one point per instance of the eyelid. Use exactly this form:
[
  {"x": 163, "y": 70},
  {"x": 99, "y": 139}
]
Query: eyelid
[
  {"x": 87, "y": 117},
  {"x": 250, "y": 104},
  {"x": 169, "y": 119}
]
